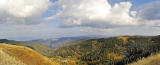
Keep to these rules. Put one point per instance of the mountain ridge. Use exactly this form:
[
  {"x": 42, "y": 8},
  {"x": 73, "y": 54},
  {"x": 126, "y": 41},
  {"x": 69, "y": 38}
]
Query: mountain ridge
[{"x": 118, "y": 50}]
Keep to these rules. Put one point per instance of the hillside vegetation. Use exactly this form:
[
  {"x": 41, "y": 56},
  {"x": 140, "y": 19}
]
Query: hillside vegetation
[
  {"x": 119, "y": 50},
  {"x": 21, "y": 54}
]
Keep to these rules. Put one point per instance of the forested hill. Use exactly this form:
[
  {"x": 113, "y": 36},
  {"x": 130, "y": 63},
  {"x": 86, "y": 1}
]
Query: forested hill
[{"x": 119, "y": 50}]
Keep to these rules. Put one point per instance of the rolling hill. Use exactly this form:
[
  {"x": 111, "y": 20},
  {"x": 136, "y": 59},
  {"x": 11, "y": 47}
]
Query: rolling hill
[
  {"x": 20, "y": 55},
  {"x": 119, "y": 50},
  {"x": 6, "y": 59},
  {"x": 37, "y": 46},
  {"x": 56, "y": 43}
]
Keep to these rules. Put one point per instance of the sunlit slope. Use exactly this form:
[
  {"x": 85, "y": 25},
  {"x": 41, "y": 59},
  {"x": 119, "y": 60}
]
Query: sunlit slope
[
  {"x": 26, "y": 55},
  {"x": 6, "y": 59},
  {"x": 39, "y": 47},
  {"x": 152, "y": 60}
]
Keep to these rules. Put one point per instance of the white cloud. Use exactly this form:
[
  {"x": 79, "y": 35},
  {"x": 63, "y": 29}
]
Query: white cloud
[
  {"x": 93, "y": 13},
  {"x": 22, "y": 11},
  {"x": 150, "y": 11},
  {"x": 86, "y": 17},
  {"x": 134, "y": 13}
]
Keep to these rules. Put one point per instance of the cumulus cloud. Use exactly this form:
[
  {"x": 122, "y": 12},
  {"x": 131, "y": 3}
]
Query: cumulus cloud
[
  {"x": 150, "y": 11},
  {"x": 149, "y": 14},
  {"x": 22, "y": 11},
  {"x": 93, "y": 13}
]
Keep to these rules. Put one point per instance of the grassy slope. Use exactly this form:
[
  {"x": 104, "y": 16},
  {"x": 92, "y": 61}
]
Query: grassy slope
[
  {"x": 6, "y": 59},
  {"x": 39, "y": 47},
  {"x": 152, "y": 60},
  {"x": 26, "y": 55}
]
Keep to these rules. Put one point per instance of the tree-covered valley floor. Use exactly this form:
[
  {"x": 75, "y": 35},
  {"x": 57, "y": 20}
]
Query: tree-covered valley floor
[{"x": 120, "y": 50}]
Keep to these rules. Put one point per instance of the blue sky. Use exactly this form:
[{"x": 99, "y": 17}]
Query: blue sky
[{"x": 65, "y": 18}]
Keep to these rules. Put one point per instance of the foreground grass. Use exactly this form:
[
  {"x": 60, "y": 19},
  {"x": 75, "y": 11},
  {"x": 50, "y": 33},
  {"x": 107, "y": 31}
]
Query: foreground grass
[
  {"x": 5, "y": 59},
  {"x": 152, "y": 60},
  {"x": 26, "y": 55}
]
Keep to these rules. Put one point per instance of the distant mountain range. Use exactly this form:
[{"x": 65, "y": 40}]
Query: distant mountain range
[{"x": 55, "y": 43}]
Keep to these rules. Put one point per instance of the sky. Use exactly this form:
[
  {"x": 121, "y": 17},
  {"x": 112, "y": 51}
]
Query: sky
[{"x": 36, "y": 19}]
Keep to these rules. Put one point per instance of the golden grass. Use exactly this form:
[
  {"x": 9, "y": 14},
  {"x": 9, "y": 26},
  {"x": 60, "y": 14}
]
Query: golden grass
[
  {"x": 124, "y": 38},
  {"x": 152, "y": 60},
  {"x": 66, "y": 61},
  {"x": 26, "y": 55},
  {"x": 5, "y": 59},
  {"x": 115, "y": 56}
]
